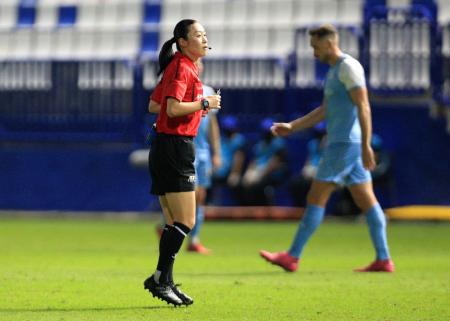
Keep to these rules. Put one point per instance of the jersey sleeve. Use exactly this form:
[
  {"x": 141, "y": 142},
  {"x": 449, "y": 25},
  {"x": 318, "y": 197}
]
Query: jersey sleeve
[
  {"x": 157, "y": 93},
  {"x": 178, "y": 79},
  {"x": 351, "y": 74}
]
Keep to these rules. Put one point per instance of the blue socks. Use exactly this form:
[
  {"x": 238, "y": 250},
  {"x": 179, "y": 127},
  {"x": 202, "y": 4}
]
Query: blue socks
[
  {"x": 311, "y": 220},
  {"x": 199, "y": 218},
  {"x": 377, "y": 227}
]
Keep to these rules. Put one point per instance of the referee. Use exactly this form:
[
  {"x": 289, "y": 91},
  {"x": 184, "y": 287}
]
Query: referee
[{"x": 178, "y": 100}]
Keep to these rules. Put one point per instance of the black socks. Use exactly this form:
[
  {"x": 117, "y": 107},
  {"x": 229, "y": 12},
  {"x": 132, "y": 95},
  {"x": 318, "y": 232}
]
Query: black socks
[{"x": 170, "y": 243}]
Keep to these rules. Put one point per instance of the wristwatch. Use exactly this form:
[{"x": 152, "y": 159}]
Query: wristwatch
[{"x": 205, "y": 104}]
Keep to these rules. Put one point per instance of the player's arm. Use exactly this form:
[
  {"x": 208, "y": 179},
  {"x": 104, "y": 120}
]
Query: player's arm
[
  {"x": 214, "y": 138},
  {"x": 360, "y": 98},
  {"x": 154, "y": 107},
  {"x": 309, "y": 120}
]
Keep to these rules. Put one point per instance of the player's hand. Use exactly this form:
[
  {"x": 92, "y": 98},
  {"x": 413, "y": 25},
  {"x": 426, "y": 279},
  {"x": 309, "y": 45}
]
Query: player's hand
[
  {"x": 233, "y": 179},
  {"x": 216, "y": 161},
  {"x": 214, "y": 101},
  {"x": 281, "y": 129},
  {"x": 368, "y": 157}
]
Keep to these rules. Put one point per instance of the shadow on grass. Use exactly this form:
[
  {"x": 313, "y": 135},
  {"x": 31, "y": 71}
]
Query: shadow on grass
[{"x": 99, "y": 309}]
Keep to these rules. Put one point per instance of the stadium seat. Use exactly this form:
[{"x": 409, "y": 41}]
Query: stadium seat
[
  {"x": 127, "y": 43},
  {"x": 105, "y": 43},
  {"x": 282, "y": 40},
  {"x": 149, "y": 41},
  {"x": 108, "y": 14},
  {"x": 171, "y": 13},
  {"x": 152, "y": 12},
  {"x": 304, "y": 13},
  {"x": 21, "y": 43},
  {"x": 281, "y": 13},
  {"x": 259, "y": 40},
  {"x": 26, "y": 14},
  {"x": 149, "y": 70},
  {"x": 84, "y": 43},
  {"x": 444, "y": 12},
  {"x": 46, "y": 14},
  {"x": 64, "y": 43},
  {"x": 400, "y": 47},
  {"x": 43, "y": 43},
  {"x": 131, "y": 14},
  {"x": 87, "y": 13},
  {"x": 216, "y": 39},
  {"x": 325, "y": 11},
  {"x": 350, "y": 12},
  {"x": 236, "y": 12},
  {"x": 214, "y": 13},
  {"x": 235, "y": 40},
  {"x": 6, "y": 39},
  {"x": 259, "y": 14},
  {"x": 123, "y": 75},
  {"x": 67, "y": 15}
]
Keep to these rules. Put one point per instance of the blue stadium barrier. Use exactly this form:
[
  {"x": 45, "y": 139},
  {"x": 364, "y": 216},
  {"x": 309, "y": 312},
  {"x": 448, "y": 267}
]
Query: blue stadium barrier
[{"x": 62, "y": 100}]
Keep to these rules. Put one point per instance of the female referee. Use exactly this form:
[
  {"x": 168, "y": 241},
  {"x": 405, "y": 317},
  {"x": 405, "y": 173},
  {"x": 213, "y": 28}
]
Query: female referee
[{"x": 178, "y": 100}]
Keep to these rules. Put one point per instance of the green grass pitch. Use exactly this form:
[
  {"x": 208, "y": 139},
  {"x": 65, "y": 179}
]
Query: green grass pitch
[{"x": 93, "y": 269}]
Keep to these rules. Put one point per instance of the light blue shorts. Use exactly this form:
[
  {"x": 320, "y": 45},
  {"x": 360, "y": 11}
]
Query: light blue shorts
[
  {"x": 341, "y": 163},
  {"x": 203, "y": 170}
]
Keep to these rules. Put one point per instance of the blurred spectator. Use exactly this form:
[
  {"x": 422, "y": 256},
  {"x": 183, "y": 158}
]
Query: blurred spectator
[
  {"x": 233, "y": 158},
  {"x": 299, "y": 185},
  {"x": 267, "y": 170}
]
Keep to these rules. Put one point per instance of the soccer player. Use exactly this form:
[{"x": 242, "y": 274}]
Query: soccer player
[
  {"x": 207, "y": 144},
  {"x": 178, "y": 99},
  {"x": 348, "y": 155}
]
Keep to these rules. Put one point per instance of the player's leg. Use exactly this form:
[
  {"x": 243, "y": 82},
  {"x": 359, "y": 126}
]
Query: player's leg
[
  {"x": 366, "y": 200},
  {"x": 317, "y": 199},
  {"x": 194, "y": 244},
  {"x": 203, "y": 180}
]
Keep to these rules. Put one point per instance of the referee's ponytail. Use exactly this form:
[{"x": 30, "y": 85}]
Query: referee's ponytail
[{"x": 166, "y": 54}]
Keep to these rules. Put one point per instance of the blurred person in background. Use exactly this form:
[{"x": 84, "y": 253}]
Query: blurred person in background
[
  {"x": 233, "y": 146},
  {"x": 267, "y": 169},
  {"x": 348, "y": 156},
  {"x": 179, "y": 101},
  {"x": 207, "y": 158},
  {"x": 301, "y": 183}
]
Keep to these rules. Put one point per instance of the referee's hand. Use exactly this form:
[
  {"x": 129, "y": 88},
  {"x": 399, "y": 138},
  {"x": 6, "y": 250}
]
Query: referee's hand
[{"x": 214, "y": 101}]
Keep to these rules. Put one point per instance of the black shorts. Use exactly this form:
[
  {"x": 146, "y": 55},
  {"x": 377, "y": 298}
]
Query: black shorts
[{"x": 171, "y": 164}]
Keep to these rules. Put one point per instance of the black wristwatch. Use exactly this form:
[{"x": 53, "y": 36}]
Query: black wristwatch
[{"x": 205, "y": 104}]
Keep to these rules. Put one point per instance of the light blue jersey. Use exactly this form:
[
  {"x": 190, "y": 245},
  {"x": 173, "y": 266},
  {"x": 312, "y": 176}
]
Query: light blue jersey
[
  {"x": 341, "y": 114},
  {"x": 341, "y": 162},
  {"x": 202, "y": 162}
]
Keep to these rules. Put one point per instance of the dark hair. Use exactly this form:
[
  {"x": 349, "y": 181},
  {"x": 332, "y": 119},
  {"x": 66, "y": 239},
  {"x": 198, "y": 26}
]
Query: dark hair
[
  {"x": 166, "y": 54},
  {"x": 324, "y": 31}
]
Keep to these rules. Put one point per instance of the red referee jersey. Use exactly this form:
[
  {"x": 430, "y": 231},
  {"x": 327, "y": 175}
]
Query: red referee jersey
[{"x": 180, "y": 81}]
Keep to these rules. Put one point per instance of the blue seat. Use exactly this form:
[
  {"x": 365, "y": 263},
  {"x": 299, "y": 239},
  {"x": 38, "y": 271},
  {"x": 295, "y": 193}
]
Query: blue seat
[
  {"x": 67, "y": 15},
  {"x": 149, "y": 41},
  {"x": 26, "y": 15},
  {"x": 152, "y": 12}
]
